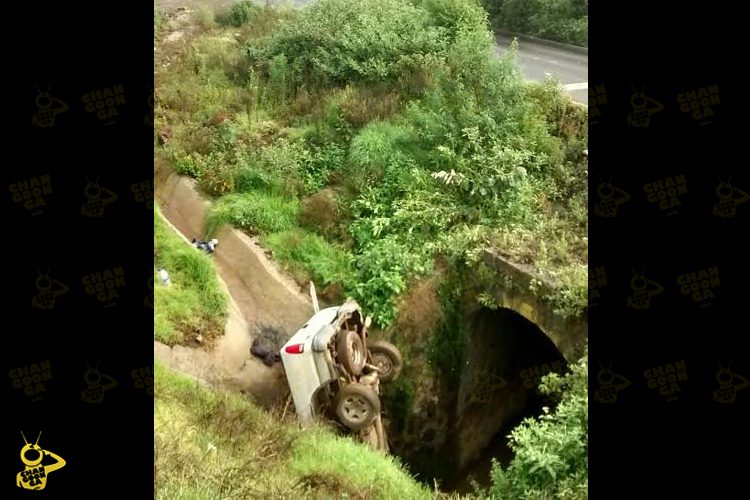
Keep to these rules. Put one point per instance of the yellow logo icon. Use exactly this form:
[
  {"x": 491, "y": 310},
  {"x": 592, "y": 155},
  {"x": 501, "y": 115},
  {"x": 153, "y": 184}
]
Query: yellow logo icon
[
  {"x": 666, "y": 379},
  {"x": 104, "y": 103},
  {"x": 485, "y": 385},
  {"x": 729, "y": 198},
  {"x": 610, "y": 197},
  {"x": 597, "y": 98},
  {"x": 610, "y": 383},
  {"x": 643, "y": 290},
  {"x": 94, "y": 205},
  {"x": 597, "y": 281},
  {"x": 700, "y": 103},
  {"x": 49, "y": 289},
  {"x": 643, "y": 108},
  {"x": 143, "y": 378},
  {"x": 48, "y": 108},
  {"x": 97, "y": 383},
  {"x": 34, "y": 475},
  {"x": 727, "y": 390}
]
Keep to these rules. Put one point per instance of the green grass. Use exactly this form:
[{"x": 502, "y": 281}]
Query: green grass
[
  {"x": 194, "y": 303},
  {"x": 256, "y": 212},
  {"x": 215, "y": 444},
  {"x": 308, "y": 255}
]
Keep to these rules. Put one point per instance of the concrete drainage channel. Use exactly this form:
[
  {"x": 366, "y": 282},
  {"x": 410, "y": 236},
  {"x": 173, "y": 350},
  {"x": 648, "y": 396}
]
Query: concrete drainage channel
[
  {"x": 256, "y": 289},
  {"x": 261, "y": 300}
]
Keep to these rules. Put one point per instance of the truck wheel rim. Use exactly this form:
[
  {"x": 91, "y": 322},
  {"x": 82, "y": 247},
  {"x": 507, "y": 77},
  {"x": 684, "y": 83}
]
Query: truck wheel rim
[
  {"x": 356, "y": 409},
  {"x": 382, "y": 363}
]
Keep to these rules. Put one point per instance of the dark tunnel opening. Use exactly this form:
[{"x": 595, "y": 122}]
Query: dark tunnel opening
[{"x": 506, "y": 357}]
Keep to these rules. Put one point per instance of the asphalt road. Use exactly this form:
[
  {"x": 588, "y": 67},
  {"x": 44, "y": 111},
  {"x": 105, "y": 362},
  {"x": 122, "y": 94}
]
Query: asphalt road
[
  {"x": 565, "y": 63},
  {"x": 569, "y": 65}
]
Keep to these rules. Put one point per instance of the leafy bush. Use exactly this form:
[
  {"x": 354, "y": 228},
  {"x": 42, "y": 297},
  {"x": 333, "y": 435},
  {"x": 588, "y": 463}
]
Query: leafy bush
[
  {"x": 382, "y": 269},
  {"x": 340, "y": 41},
  {"x": 316, "y": 167},
  {"x": 551, "y": 451},
  {"x": 240, "y": 12}
]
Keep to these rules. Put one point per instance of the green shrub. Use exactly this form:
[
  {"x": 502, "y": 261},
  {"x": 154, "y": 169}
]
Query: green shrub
[
  {"x": 551, "y": 451},
  {"x": 339, "y": 41},
  {"x": 240, "y": 12}
]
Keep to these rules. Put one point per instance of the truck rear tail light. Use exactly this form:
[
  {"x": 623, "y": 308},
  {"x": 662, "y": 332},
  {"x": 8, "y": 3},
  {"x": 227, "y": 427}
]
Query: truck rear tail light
[{"x": 295, "y": 349}]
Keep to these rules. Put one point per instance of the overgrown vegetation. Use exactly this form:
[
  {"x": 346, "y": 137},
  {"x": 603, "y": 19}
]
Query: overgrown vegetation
[
  {"x": 430, "y": 144},
  {"x": 216, "y": 444},
  {"x": 561, "y": 20},
  {"x": 364, "y": 141},
  {"x": 193, "y": 304},
  {"x": 551, "y": 451}
]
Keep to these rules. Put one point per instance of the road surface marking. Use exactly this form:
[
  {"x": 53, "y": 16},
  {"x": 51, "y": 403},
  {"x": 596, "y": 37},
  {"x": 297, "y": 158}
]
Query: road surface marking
[{"x": 577, "y": 86}]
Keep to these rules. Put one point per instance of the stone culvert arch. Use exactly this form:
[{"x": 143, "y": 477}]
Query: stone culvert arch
[{"x": 569, "y": 335}]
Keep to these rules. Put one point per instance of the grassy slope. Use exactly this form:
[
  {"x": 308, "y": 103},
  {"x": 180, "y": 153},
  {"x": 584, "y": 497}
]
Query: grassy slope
[
  {"x": 194, "y": 303},
  {"x": 214, "y": 444}
]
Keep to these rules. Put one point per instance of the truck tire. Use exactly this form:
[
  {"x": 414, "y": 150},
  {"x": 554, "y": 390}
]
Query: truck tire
[
  {"x": 351, "y": 352},
  {"x": 357, "y": 406},
  {"x": 387, "y": 358}
]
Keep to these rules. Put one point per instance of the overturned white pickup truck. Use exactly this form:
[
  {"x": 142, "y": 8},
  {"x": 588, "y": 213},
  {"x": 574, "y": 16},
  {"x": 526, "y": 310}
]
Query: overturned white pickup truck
[{"x": 330, "y": 365}]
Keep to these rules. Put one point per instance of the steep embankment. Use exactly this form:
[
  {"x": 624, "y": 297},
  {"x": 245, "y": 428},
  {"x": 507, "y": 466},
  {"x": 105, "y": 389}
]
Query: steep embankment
[{"x": 217, "y": 444}]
